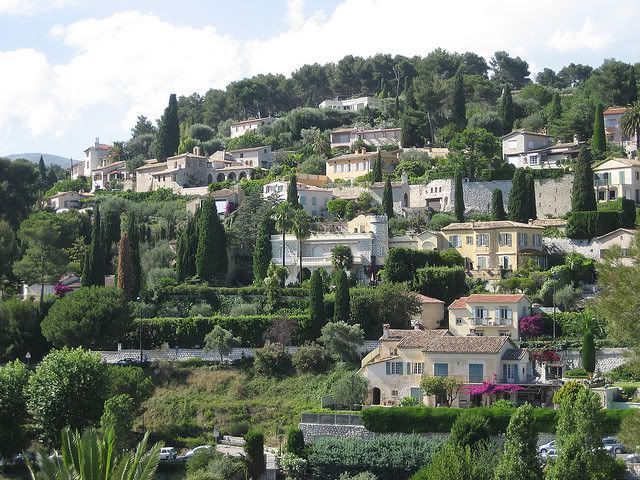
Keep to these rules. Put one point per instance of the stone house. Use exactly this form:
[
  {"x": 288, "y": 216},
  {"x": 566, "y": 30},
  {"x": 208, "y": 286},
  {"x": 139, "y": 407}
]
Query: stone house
[
  {"x": 63, "y": 201},
  {"x": 240, "y": 128},
  {"x": 353, "y": 165},
  {"x": 313, "y": 199},
  {"x": 617, "y": 178},
  {"x": 377, "y": 137}
]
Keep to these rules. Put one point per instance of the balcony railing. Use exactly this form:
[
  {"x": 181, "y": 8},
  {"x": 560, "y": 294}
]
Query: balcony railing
[{"x": 491, "y": 321}]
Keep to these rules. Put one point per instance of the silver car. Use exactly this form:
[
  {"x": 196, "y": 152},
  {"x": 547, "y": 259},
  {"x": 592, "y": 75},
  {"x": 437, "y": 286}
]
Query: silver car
[
  {"x": 543, "y": 450},
  {"x": 196, "y": 450},
  {"x": 613, "y": 445}
]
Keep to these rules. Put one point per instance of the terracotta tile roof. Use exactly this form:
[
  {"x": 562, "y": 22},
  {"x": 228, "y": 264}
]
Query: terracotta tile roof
[
  {"x": 424, "y": 299},
  {"x": 514, "y": 354},
  {"x": 414, "y": 338},
  {"x": 252, "y": 120},
  {"x": 550, "y": 222},
  {"x": 471, "y": 344},
  {"x": 615, "y": 110},
  {"x": 487, "y": 225},
  {"x": 631, "y": 162},
  {"x": 487, "y": 298},
  {"x": 249, "y": 149},
  {"x": 525, "y": 132}
]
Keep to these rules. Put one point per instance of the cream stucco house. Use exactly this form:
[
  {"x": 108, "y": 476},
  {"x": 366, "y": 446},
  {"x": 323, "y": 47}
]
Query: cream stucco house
[
  {"x": 351, "y": 104},
  {"x": 346, "y": 137},
  {"x": 492, "y": 247},
  {"x": 240, "y": 128},
  {"x": 431, "y": 312},
  {"x": 395, "y": 369},
  {"x": 353, "y": 165},
  {"x": 616, "y": 178},
  {"x": 488, "y": 314},
  {"x": 63, "y": 201},
  {"x": 313, "y": 199}
]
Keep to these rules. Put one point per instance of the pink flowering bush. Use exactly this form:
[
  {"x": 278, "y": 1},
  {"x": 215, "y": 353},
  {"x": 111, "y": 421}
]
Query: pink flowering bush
[
  {"x": 61, "y": 290},
  {"x": 532, "y": 325},
  {"x": 545, "y": 356},
  {"x": 487, "y": 388}
]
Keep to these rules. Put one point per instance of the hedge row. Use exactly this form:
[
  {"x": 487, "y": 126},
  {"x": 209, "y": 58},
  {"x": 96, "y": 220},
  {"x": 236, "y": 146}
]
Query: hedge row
[
  {"x": 584, "y": 225},
  {"x": 212, "y": 294},
  {"x": 624, "y": 207},
  {"x": 190, "y": 332},
  {"x": 440, "y": 419}
]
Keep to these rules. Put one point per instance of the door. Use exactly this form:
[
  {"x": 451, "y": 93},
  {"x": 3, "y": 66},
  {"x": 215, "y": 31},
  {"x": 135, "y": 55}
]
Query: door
[
  {"x": 376, "y": 396},
  {"x": 416, "y": 392}
]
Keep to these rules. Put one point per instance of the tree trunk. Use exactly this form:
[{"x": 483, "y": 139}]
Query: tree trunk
[
  {"x": 300, "y": 257},
  {"x": 283, "y": 240}
]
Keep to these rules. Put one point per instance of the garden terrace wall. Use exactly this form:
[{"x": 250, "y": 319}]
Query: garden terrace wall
[
  {"x": 213, "y": 294},
  {"x": 190, "y": 332}
]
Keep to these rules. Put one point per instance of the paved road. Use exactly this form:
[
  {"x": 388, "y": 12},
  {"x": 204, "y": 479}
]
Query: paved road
[{"x": 239, "y": 451}]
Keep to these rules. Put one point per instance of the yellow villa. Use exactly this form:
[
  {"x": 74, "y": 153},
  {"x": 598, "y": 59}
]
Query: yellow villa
[{"x": 492, "y": 247}]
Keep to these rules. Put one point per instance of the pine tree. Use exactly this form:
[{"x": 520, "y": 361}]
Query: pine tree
[
  {"x": 52, "y": 178},
  {"x": 376, "y": 174},
  {"x": 531, "y": 195},
  {"x": 556, "y": 107},
  {"x": 599, "y": 139},
  {"x": 583, "y": 196},
  {"x": 588, "y": 352},
  {"x": 497, "y": 205},
  {"x": 519, "y": 210},
  {"x": 169, "y": 130},
  {"x": 262, "y": 252},
  {"x": 458, "y": 197},
  {"x": 387, "y": 198},
  {"x": 316, "y": 303},
  {"x": 94, "y": 268},
  {"x": 125, "y": 267},
  {"x": 292, "y": 192},
  {"x": 341, "y": 309},
  {"x": 458, "y": 109},
  {"x": 211, "y": 256},
  {"x": 505, "y": 109},
  {"x": 412, "y": 122},
  {"x": 42, "y": 169},
  {"x": 520, "y": 459}
]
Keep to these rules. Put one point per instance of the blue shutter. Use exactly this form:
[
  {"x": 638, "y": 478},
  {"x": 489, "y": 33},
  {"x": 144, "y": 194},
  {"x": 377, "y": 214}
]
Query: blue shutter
[
  {"x": 400, "y": 365},
  {"x": 408, "y": 368},
  {"x": 476, "y": 372},
  {"x": 505, "y": 374},
  {"x": 388, "y": 366}
]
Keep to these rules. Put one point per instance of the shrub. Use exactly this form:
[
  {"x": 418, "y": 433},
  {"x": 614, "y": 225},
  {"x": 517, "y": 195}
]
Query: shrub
[
  {"x": 585, "y": 225},
  {"x": 409, "y": 402},
  {"x": 444, "y": 283},
  {"x": 293, "y": 466},
  {"x": 531, "y": 326},
  {"x": 119, "y": 413},
  {"x": 295, "y": 442},
  {"x": 311, "y": 358},
  {"x": 576, "y": 373},
  {"x": 272, "y": 360},
  {"x": 625, "y": 208},
  {"x": 350, "y": 390},
  {"x": 254, "y": 451},
  {"x": 401, "y": 264},
  {"x": 129, "y": 380},
  {"x": 469, "y": 429},
  {"x": 201, "y": 310}
]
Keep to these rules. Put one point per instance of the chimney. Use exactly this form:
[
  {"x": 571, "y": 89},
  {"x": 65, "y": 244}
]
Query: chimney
[
  {"x": 363, "y": 150},
  {"x": 576, "y": 139},
  {"x": 97, "y": 143},
  {"x": 404, "y": 178},
  {"x": 196, "y": 151},
  {"x": 418, "y": 326},
  {"x": 385, "y": 331}
]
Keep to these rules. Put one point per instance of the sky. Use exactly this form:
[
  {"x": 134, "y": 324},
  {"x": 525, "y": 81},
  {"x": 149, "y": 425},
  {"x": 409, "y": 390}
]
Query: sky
[{"x": 73, "y": 70}]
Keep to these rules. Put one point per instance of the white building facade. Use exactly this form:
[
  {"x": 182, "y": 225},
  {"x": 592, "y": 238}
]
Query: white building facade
[{"x": 352, "y": 104}]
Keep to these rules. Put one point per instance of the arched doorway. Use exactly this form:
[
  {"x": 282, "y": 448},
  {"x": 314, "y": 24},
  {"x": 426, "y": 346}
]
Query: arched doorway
[
  {"x": 209, "y": 178},
  {"x": 231, "y": 176},
  {"x": 376, "y": 396},
  {"x": 405, "y": 200},
  {"x": 306, "y": 274},
  {"x": 220, "y": 177},
  {"x": 242, "y": 175}
]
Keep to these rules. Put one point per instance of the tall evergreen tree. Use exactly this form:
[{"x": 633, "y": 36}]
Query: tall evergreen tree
[
  {"x": 262, "y": 252},
  {"x": 93, "y": 270},
  {"x": 520, "y": 459},
  {"x": 133, "y": 234},
  {"x": 316, "y": 303},
  {"x": 599, "y": 139},
  {"x": 497, "y": 205},
  {"x": 583, "y": 195},
  {"x": 556, "y": 107},
  {"x": 412, "y": 122},
  {"x": 125, "y": 267},
  {"x": 186, "y": 250},
  {"x": 169, "y": 130},
  {"x": 181, "y": 255},
  {"x": 531, "y": 194},
  {"x": 376, "y": 174},
  {"x": 110, "y": 224},
  {"x": 387, "y": 198},
  {"x": 52, "y": 178},
  {"x": 458, "y": 197},
  {"x": 211, "y": 256},
  {"x": 459, "y": 109},
  {"x": 588, "y": 352},
  {"x": 341, "y": 309},
  {"x": 519, "y": 197},
  {"x": 505, "y": 109},
  {"x": 292, "y": 192},
  {"x": 42, "y": 170}
]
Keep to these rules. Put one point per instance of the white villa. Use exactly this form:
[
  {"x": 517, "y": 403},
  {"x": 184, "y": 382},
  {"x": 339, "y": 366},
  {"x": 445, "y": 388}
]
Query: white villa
[
  {"x": 616, "y": 178},
  {"x": 351, "y": 104},
  {"x": 240, "y": 128},
  {"x": 537, "y": 150},
  {"x": 346, "y": 137},
  {"x": 313, "y": 199},
  {"x": 94, "y": 157},
  {"x": 63, "y": 201}
]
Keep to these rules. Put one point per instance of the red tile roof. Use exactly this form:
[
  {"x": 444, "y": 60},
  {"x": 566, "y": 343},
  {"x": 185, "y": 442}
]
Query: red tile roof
[
  {"x": 615, "y": 110},
  {"x": 424, "y": 299},
  {"x": 471, "y": 344},
  {"x": 414, "y": 338},
  {"x": 486, "y": 298}
]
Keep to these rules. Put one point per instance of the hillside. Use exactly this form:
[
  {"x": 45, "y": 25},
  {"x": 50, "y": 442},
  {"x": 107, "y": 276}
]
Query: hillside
[{"x": 49, "y": 159}]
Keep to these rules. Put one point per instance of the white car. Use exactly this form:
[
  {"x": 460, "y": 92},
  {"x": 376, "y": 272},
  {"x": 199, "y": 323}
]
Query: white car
[
  {"x": 168, "y": 453},
  {"x": 543, "y": 450},
  {"x": 196, "y": 450}
]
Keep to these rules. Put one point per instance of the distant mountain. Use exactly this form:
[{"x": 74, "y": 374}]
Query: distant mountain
[{"x": 49, "y": 159}]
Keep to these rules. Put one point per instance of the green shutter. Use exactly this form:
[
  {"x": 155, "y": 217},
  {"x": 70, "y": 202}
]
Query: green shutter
[
  {"x": 400, "y": 365},
  {"x": 408, "y": 368},
  {"x": 388, "y": 366}
]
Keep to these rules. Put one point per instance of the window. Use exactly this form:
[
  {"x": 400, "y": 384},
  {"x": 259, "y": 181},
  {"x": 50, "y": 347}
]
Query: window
[
  {"x": 469, "y": 239},
  {"x": 504, "y": 263},
  {"x": 537, "y": 240},
  {"x": 440, "y": 369},
  {"x": 482, "y": 263},
  {"x": 504, "y": 333},
  {"x": 503, "y": 313},
  {"x": 637, "y": 175},
  {"x": 394, "y": 368},
  {"x": 303, "y": 200},
  {"x": 393, "y": 351},
  {"x": 621, "y": 177},
  {"x": 394, "y": 393},
  {"x": 476, "y": 372},
  {"x": 455, "y": 241},
  {"x": 523, "y": 239},
  {"x": 530, "y": 144},
  {"x": 504, "y": 239},
  {"x": 265, "y": 150},
  {"x": 534, "y": 159},
  {"x": 459, "y": 321},
  {"x": 313, "y": 200},
  {"x": 482, "y": 240},
  {"x": 415, "y": 368},
  {"x": 242, "y": 155}
]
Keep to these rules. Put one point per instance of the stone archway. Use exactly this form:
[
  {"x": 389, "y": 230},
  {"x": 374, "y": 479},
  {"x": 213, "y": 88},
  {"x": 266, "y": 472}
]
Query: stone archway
[
  {"x": 220, "y": 177},
  {"x": 231, "y": 176},
  {"x": 376, "y": 394},
  {"x": 209, "y": 178},
  {"x": 242, "y": 176}
]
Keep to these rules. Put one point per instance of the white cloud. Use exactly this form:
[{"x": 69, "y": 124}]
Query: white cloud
[
  {"x": 295, "y": 14},
  {"x": 586, "y": 37},
  {"x": 31, "y": 7}
]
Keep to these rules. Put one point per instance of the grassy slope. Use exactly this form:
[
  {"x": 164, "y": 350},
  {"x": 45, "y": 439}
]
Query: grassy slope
[{"x": 189, "y": 401}]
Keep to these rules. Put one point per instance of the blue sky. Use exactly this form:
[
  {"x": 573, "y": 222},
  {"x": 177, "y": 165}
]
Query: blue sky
[{"x": 74, "y": 69}]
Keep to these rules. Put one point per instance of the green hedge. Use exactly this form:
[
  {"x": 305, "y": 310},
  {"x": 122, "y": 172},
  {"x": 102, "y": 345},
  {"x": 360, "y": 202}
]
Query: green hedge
[
  {"x": 624, "y": 207},
  {"x": 422, "y": 419},
  {"x": 444, "y": 283},
  {"x": 584, "y": 225},
  {"x": 212, "y": 294},
  {"x": 190, "y": 332},
  {"x": 401, "y": 264}
]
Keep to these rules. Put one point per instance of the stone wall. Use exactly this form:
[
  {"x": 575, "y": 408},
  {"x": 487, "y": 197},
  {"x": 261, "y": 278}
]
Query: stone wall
[
  {"x": 553, "y": 196},
  {"x": 477, "y": 195}
]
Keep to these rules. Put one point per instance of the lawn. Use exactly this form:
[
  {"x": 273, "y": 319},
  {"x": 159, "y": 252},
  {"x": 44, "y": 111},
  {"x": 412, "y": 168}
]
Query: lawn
[{"x": 189, "y": 402}]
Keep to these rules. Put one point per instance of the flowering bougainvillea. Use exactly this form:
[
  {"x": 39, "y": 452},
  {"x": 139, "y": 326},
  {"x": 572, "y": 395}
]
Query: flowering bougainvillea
[
  {"x": 487, "y": 388},
  {"x": 61, "y": 290},
  {"x": 544, "y": 356},
  {"x": 532, "y": 325}
]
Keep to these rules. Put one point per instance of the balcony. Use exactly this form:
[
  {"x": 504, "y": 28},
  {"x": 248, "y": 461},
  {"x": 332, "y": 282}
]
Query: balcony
[{"x": 491, "y": 321}]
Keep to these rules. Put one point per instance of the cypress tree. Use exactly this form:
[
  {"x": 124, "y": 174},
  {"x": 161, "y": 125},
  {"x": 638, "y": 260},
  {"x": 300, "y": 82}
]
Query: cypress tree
[
  {"x": 186, "y": 250},
  {"x": 411, "y": 122},
  {"x": 497, "y": 205},
  {"x": 125, "y": 267},
  {"x": 316, "y": 303},
  {"x": 583, "y": 196},
  {"x": 94, "y": 268},
  {"x": 262, "y": 252},
  {"x": 169, "y": 130},
  {"x": 133, "y": 234},
  {"x": 520, "y": 459},
  {"x": 341, "y": 310},
  {"x": 387, "y": 198},
  {"x": 52, "y": 178},
  {"x": 292, "y": 192},
  {"x": 556, "y": 107},
  {"x": 519, "y": 210},
  {"x": 459, "y": 197},
  {"x": 531, "y": 194},
  {"x": 458, "y": 109},
  {"x": 42, "y": 169},
  {"x": 376, "y": 174},
  {"x": 211, "y": 256},
  {"x": 505, "y": 109},
  {"x": 588, "y": 352},
  {"x": 181, "y": 255},
  {"x": 599, "y": 139},
  {"x": 110, "y": 224}
]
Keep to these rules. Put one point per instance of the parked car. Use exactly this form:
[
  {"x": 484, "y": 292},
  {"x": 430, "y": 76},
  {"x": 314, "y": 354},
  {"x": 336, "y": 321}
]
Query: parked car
[
  {"x": 544, "y": 449},
  {"x": 612, "y": 445},
  {"x": 550, "y": 453},
  {"x": 168, "y": 453},
  {"x": 196, "y": 450},
  {"x": 132, "y": 361}
]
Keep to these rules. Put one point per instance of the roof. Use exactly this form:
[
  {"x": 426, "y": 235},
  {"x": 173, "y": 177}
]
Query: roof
[
  {"x": 629, "y": 162},
  {"x": 525, "y": 132},
  {"x": 617, "y": 231},
  {"x": 514, "y": 354},
  {"x": 414, "y": 338},
  {"x": 251, "y": 120},
  {"x": 462, "y": 302},
  {"x": 614, "y": 110},
  {"x": 550, "y": 222},
  {"x": 488, "y": 225},
  {"x": 249, "y": 149},
  {"x": 385, "y": 155},
  {"x": 470, "y": 344},
  {"x": 365, "y": 130},
  {"x": 424, "y": 299},
  {"x": 101, "y": 146},
  {"x": 114, "y": 165}
]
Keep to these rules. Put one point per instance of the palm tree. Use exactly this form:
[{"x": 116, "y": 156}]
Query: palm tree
[
  {"x": 92, "y": 456},
  {"x": 630, "y": 122},
  {"x": 342, "y": 257},
  {"x": 301, "y": 228},
  {"x": 283, "y": 215}
]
